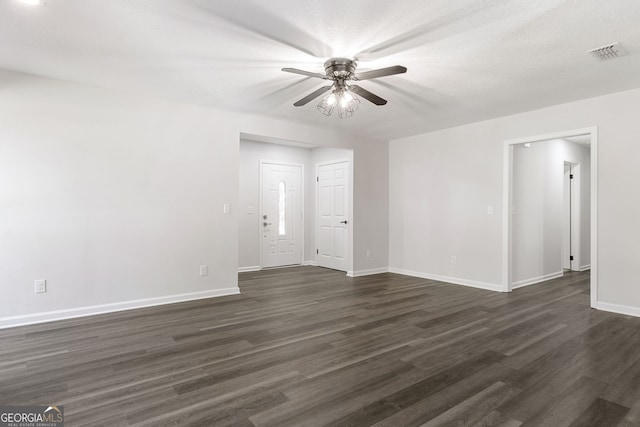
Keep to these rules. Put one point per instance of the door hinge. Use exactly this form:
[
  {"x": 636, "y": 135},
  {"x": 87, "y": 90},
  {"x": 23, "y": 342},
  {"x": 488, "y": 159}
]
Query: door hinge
[
  {"x": 570, "y": 176},
  {"x": 317, "y": 252},
  {"x": 317, "y": 179},
  {"x": 570, "y": 257}
]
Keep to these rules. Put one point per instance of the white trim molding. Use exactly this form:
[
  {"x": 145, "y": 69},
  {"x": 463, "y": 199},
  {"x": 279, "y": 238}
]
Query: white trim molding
[
  {"x": 585, "y": 267},
  {"x": 618, "y": 308},
  {"x": 369, "y": 272},
  {"x": 309, "y": 263},
  {"x": 454, "y": 280},
  {"x": 248, "y": 269},
  {"x": 50, "y": 316},
  {"x": 534, "y": 280}
]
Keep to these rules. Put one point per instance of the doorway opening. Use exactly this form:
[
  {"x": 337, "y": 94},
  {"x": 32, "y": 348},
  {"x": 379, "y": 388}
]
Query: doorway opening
[
  {"x": 277, "y": 204},
  {"x": 549, "y": 200}
]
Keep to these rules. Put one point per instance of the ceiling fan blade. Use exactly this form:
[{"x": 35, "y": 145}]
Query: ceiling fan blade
[
  {"x": 389, "y": 71},
  {"x": 313, "y": 95},
  {"x": 367, "y": 95},
  {"x": 305, "y": 73}
]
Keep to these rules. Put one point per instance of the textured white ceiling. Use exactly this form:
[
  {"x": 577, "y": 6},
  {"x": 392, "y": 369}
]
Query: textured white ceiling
[{"x": 468, "y": 60}]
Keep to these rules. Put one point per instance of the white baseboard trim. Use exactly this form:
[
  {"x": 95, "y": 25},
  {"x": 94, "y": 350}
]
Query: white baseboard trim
[
  {"x": 447, "y": 279},
  {"x": 50, "y": 316},
  {"x": 617, "y": 308},
  {"x": 248, "y": 269},
  {"x": 311, "y": 263},
  {"x": 369, "y": 272},
  {"x": 585, "y": 267},
  {"x": 534, "y": 280}
]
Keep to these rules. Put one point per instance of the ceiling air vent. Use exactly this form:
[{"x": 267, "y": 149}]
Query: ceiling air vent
[{"x": 608, "y": 52}]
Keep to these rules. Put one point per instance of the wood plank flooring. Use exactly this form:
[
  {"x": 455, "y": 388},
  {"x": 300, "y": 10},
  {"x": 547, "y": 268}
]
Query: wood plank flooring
[{"x": 310, "y": 347}]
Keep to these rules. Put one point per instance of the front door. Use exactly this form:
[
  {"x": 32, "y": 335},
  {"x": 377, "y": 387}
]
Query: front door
[
  {"x": 281, "y": 220},
  {"x": 332, "y": 215}
]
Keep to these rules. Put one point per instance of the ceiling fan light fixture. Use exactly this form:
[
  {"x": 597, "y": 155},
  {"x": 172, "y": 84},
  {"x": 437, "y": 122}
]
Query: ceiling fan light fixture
[
  {"x": 328, "y": 103},
  {"x": 344, "y": 99},
  {"x": 349, "y": 103}
]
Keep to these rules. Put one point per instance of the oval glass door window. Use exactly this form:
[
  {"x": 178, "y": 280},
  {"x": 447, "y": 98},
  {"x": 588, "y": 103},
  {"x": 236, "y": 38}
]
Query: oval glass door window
[{"x": 282, "y": 209}]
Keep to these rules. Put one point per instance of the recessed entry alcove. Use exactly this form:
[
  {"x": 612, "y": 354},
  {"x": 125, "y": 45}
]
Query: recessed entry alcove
[{"x": 294, "y": 204}]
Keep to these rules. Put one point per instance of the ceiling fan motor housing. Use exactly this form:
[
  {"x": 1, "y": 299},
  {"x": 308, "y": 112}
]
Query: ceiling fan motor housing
[{"x": 340, "y": 68}]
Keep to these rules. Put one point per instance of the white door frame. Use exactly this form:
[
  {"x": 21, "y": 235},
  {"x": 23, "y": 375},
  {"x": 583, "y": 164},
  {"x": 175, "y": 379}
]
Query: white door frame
[
  {"x": 301, "y": 166},
  {"x": 507, "y": 186},
  {"x": 349, "y": 253}
]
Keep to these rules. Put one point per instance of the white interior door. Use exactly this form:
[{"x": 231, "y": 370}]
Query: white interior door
[
  {"x": 281, "y": 221},
  {"x": 332, "y": 215}
]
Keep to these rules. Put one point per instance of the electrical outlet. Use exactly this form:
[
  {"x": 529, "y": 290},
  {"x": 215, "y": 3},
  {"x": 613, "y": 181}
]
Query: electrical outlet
[
  {"x": 204, "y": 270},
  {"x": 489, "y": 210},
  {"x": 453, "y": 260},
  {"x": 368, "y": 253},
  {"x": 41, "y": 286}
]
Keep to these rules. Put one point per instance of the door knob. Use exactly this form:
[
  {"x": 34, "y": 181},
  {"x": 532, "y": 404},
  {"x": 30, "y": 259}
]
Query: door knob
[
  {"x": 343, "y": 222},
  {"x": 266, "y": 223}
]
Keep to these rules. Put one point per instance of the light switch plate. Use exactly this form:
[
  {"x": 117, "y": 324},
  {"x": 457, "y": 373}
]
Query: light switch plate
[
  {"x": 41, "y": 286},
  {"x": 204, "y": 270}
]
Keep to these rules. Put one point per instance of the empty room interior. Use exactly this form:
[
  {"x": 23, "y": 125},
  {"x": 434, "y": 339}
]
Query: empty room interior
[{"x": 301, "y": 213}]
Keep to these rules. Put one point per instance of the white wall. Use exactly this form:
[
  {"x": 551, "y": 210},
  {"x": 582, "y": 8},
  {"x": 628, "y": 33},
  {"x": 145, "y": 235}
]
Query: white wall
[
  {"x": 328, "y": 154},
  {"x": 442, "y": 182},
  {"x": 115, "y": 198},
  {"x": 537, "y": 213},
  {"x": 440, "y": 187}
]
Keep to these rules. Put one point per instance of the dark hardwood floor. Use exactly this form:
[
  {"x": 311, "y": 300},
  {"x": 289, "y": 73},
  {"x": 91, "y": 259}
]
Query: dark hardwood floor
[{"x": 310, "y": 347}]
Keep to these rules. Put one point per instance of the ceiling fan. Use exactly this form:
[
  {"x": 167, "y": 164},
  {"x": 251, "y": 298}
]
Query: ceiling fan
[{"x": 343, "y": 95}]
